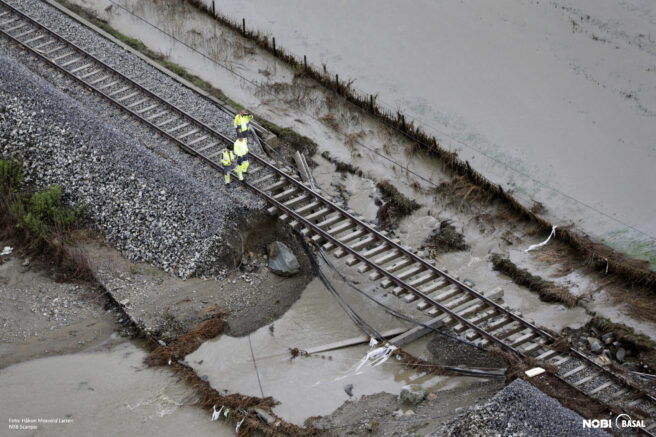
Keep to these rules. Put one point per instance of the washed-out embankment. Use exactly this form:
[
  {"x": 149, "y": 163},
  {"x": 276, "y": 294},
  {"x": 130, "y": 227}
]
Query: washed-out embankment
[
  {"x": 130, "y": 191},
  {"x": 599, "y": 256}
]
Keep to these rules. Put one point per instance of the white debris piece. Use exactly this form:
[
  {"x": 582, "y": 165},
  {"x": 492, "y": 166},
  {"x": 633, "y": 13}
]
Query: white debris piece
[
  {"x": 239, "y": 425},
  {"x": 216, "y": 414},
  {"x": 536, "y": 246},
  {"x": 377, "y": 356},
  {"x": 6, "y": 251},
  {"x": 534, "y": 372}
]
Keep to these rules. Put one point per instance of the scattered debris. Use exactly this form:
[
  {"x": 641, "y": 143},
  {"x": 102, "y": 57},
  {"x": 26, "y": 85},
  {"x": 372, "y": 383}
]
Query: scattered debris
[
  {"x": 446, "y": 238},
  {"x": 6, "y": 251},
  {"x": 396, "y": 204},
  {"x": 548, "y": 291},
  {"x": 537, "y": 246},
  {"x": 534, "y": 372},
  {"x": 295, "y": 352},
  {"x": 187, "y": 343},
  {"x": 348, "y": 389},
  {"x": 376, "y": 356}
]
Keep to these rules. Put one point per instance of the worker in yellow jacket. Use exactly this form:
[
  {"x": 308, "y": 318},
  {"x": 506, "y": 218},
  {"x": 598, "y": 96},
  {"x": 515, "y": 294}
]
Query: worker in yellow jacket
[
  {"x": 227, "y": 160},
  {"x": 241, "y": 151},
  {"x": 242, "y": 121}
]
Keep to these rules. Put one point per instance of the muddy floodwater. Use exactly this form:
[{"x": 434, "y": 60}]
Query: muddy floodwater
[
  {"x": 554, "y": 100},
  {"x": 314, "y": 385},
  {"x": 104, "y": 393}
]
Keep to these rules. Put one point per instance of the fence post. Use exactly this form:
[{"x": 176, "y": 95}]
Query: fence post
[
  {"x": 274, "y": 46},
  {"x": 305, "y": 62},
  {"x": 213, "y": 9},
  {"x": 337, "y": 80},
  {"x": 371, "y": 101},
  {"x": 243, "y": 26}
]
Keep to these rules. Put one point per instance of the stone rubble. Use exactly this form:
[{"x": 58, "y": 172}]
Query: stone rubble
[{"x": 147, "y": 207}]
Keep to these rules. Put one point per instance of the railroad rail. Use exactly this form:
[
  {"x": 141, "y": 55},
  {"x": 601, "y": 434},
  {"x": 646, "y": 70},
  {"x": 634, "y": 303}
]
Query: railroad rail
[{"x": 472, "y": 314}]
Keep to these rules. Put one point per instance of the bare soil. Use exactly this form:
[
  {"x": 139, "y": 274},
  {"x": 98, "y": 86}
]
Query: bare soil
[
  {"x": 248, "y": 297},
  {"x": 41, "y": 317}
]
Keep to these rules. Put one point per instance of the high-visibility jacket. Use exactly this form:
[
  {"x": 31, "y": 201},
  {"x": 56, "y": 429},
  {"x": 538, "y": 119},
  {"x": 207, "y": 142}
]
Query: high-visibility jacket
[
  {"x": 241, "y": 122},
  {"x": 241, "y": 148},
  {"x": 227, "y": 157}
]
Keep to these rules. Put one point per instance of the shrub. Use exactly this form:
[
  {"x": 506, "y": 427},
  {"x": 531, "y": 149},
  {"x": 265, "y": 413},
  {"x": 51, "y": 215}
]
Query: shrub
[
  {"x": 11, "y": 174},
  {"x": 45, "y": 213}
]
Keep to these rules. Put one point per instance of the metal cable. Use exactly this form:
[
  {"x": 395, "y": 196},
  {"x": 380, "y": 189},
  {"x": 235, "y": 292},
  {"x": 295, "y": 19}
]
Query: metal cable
[{"x": 392, "y": 311}]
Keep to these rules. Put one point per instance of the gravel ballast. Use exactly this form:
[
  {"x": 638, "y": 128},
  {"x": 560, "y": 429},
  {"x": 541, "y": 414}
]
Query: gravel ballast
[
  {"x": 155, "y": 205},
  {"x": 519, "y": 410}
]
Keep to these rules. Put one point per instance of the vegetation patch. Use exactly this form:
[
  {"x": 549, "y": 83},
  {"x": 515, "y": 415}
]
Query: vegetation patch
[
  {"x": 40, "y": 221},
  {"x": 446, "y": 239},
  {"x": 396, "y": 205},
  {"x": 341, "y": 166},
  {"x": 547, "y": 290}
]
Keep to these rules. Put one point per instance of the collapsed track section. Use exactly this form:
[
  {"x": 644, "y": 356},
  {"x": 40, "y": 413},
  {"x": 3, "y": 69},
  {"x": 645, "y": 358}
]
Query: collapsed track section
[{"x": 447, "y": 301}]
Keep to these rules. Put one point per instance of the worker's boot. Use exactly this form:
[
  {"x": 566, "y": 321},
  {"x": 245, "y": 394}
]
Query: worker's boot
[{"x": 244, "y": 167}]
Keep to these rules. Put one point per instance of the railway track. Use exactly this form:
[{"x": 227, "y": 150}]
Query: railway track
[{"x": 472, "y": 314}]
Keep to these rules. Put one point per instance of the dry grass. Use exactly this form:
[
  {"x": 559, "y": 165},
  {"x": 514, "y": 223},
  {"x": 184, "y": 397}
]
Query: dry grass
[
  {"x": 330, "y": 120},
  {"x": 187, "y": 343},
  {"x": 547, "y": 290},
  {"x": 446, "y": 239},
  {"x": 341, "y": 166},
  {"x": 396, "y": 205}
]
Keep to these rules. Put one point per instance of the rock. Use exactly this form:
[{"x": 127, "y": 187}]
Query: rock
[
  {"x": 409, "y": 413},
  {"x": 124, "y": 302},
  {"x": 348, "y": 389},
  {"x": 607, "y": 338},
  {"x": 595, "y": 345},
  {"x": 412, "y": 396},
  {"x": 282, "y": 260},
  {"x": 459, "y": 410},
  {"x": 26, "y": 262},
  {"x": 264, "y": 416},
  {"x": 620, "y": 354},
  {"x": 607, "y": 353}
]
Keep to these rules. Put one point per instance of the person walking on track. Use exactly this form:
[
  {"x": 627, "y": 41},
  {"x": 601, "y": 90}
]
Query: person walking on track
[
  {"x": 241, "y": 150},
  {"x": 242, "y": 121},
  {"x": 227, "y": 160}
]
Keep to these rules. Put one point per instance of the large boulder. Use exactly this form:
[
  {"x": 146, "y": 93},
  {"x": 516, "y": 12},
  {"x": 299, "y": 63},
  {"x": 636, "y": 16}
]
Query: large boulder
[{"x": 282, "y": 260}]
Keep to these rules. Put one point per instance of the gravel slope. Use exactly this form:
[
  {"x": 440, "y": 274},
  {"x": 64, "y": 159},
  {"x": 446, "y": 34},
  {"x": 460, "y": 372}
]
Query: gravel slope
[
  {"x": 154, "y": 203},
  {"x": 519, "y": 410}
]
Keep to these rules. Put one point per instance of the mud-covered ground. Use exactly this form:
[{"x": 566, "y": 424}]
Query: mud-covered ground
[
  {"x": 248, "y": 297},
  {"x": 40, "y": 316}
]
